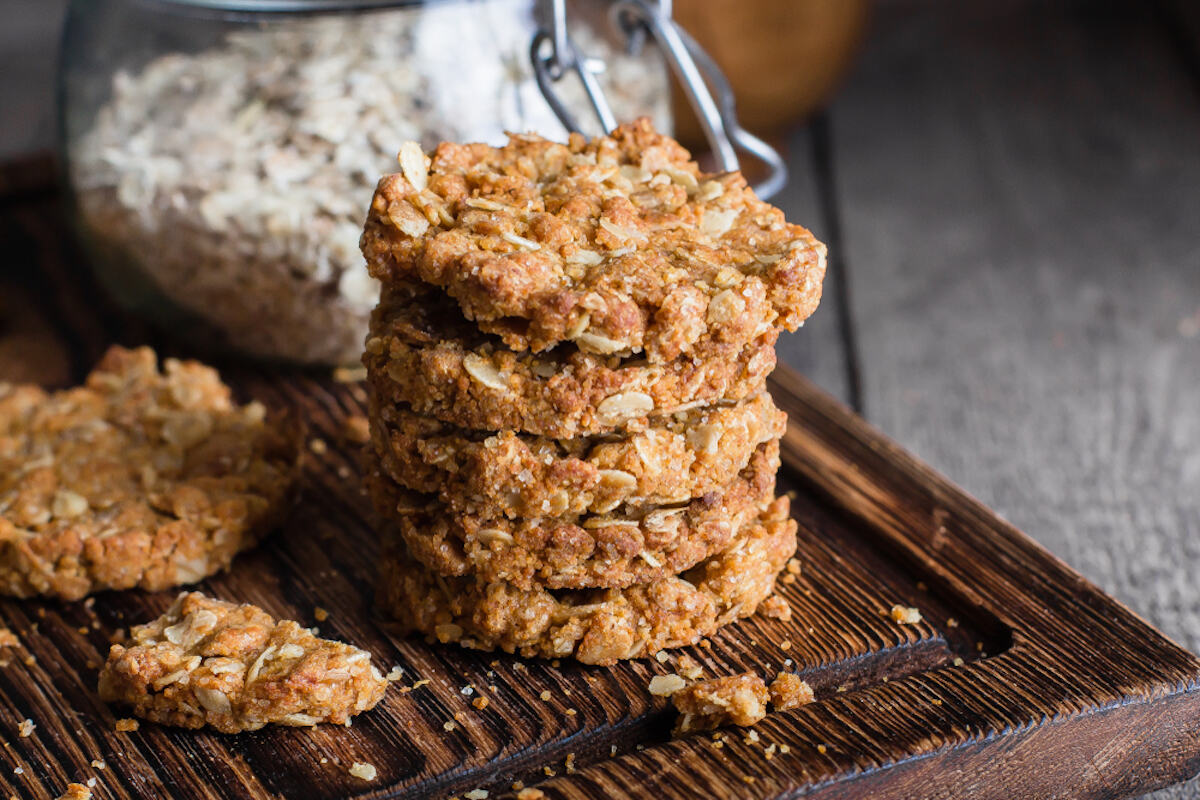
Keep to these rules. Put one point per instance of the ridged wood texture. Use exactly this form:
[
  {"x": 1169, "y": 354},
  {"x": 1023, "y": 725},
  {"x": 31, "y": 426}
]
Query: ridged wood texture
[{"x": 1060, "y": 691}]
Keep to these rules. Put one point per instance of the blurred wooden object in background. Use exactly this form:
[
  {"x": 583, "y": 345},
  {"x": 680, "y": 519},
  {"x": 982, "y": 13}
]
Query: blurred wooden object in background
[{"x": 783, "y": 57}]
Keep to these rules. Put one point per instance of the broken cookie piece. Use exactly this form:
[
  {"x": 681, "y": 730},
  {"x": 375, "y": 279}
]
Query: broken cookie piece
[
  {"x": 789, "y": 691},
  {"x": 236, "y": 668},
  {"x": 733, "y": 700},
  {"x": 139, "y": 478}
]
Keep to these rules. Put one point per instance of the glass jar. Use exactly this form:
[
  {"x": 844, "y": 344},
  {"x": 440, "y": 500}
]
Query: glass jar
[{"x": 221, "y": 156}]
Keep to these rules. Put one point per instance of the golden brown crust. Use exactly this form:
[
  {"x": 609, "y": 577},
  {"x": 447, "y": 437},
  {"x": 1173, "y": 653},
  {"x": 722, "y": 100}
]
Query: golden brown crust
[
  {"x": 614, "y": 550},
  {"x": 423, "y": 354},
  {"x": 619, "y": 244},
  {"x": 596, "y": 626},
  {"x": 509, "y": 474},
  {"x": 138, "y": 478},
  {"x": 236, "y": 668}
]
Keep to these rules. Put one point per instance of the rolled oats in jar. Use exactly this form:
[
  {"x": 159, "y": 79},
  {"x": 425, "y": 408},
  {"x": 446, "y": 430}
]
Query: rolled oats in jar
[{"x": 221, "y": 160}]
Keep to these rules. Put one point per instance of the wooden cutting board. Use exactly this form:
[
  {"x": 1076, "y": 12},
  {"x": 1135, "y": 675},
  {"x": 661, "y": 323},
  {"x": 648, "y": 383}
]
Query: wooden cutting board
[{"x": 1022, "y": 681}]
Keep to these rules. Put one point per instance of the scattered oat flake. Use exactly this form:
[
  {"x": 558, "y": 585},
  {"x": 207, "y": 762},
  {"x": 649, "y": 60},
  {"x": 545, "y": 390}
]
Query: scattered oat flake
[
  {"x": 366, "y": 772},
  {"x": 666, "y": 685},
  {"x": 449, "y": 725},
  {"x": 905, "y": 615},
  {"x": 545, "y": 695},
  {"x": 320, "y": 614},
  {"x": 420, "y": 683},
  {"x": 356, "y": 429},
  {"x": 349, "y": 374},
  {"x": 783, "y": 748},
  {"x": 98, "y": 764},
  {"x": 531, "y": 794},
  {"x": 126, "y": 725},
  {"x": 476, "y": 794}
]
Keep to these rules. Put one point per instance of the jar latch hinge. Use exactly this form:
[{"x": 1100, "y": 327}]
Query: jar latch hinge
[{"x": 554, "y": 55}]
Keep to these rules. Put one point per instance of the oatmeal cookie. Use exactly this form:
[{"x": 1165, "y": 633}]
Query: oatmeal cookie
[
  {"x": 620, "y": 244},
  {"x": 595, "y": 626},
  {"x": 683, "y": 456},
  {"x": 236, "y": 668},
  {"x": 614, "y": 550},
  {"x": 137, "y": 478},
  {"x": 421, "y": 352}
]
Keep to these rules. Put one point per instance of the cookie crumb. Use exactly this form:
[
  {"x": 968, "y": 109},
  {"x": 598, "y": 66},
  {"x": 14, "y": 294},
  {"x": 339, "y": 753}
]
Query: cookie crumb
[
  {"x": 545, "y": 695},
  {"x": 476, "y": 794},
  {"x": 98, "y": 764},
  {"x": 448, "y": 726},
  {"x": 8, "y": 638},
  {"x": 737, "y": 699},
  {"x": 531, "y": 794},
  {"x": 25, "y": 728},
  {"x": 395, "y": 674},
  {"x": 905, "y": 615},
  {"x": 318, "y": 446},
  {"x": 789, "y": 691},
  {"x": 366, "y": 772},
  {"x": 76, "y": 791},
  {"x": 356, "y": 429},
  {"x": 320, "y": 614},
  {"x": 776, "y": 607}
]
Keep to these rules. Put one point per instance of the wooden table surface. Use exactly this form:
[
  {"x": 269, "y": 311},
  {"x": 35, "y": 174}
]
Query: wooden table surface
[{"x": 1011, "y": 194}]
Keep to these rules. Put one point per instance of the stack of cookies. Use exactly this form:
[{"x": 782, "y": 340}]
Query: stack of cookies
[{"x": 572, "y": 445}]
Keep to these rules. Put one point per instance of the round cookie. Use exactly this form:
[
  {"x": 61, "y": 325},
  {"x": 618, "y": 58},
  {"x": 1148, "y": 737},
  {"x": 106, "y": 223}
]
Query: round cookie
[
  {"x": 135, "y": 479},
  {"x": 611, "y": 550},
  {"x": 683, "y": 456},
  {"x": 597, "y": 626},
  {"x": 422, "y": 353},
  {"x": 618, "y": 244}
]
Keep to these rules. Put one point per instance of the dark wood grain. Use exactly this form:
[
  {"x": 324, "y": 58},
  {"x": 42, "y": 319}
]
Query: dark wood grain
[{"x": 1059, "y": 689}]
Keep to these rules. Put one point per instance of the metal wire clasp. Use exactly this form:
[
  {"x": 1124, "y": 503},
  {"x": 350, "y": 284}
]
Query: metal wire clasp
[{"x": 695, "y": 70}]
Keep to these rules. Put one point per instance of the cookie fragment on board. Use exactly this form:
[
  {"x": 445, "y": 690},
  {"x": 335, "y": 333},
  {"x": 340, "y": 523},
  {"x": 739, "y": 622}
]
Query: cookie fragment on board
[
  {"x": 595, "y": 626},
  {"x": 138, "y": 478},
  {"x": 236, "y": 668},
  {"x": 619, "y": 245},
  {"x": 732, "y": 700}
]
